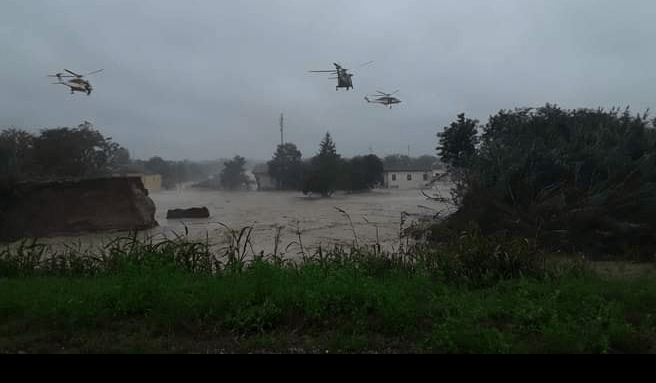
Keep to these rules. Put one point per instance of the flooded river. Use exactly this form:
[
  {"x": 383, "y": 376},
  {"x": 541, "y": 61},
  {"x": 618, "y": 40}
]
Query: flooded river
[{"x": 375, "y": 216}]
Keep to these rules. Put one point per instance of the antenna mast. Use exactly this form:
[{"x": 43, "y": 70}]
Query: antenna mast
[{"x": 281, "y": 119}]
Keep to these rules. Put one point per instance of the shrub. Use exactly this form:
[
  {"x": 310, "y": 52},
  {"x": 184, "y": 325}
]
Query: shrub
[{"x": 579, "y": 179}]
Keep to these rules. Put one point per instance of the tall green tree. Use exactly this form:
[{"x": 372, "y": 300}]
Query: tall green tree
[
  {"x": 76, "y": 152},
  {"x": 16, "y": 150},
  {"x": 366, "y": 172},
  {"x": 233, "y": 176},
  {"x": 286, "y": 167},
  {"x": 324, "y": 169},
  {"x": 458, "y": 142}
]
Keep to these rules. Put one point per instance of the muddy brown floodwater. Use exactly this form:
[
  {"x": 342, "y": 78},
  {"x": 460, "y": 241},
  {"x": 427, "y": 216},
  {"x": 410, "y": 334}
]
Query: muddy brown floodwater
[{"x": 376, "y": 218}]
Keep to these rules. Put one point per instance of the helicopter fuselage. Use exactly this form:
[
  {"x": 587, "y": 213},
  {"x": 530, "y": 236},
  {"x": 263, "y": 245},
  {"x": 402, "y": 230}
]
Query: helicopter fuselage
[
  {"x": 385, "y": 100},
  {"x": 76, "y": 88},
  {"x": 344, "y": 80}
]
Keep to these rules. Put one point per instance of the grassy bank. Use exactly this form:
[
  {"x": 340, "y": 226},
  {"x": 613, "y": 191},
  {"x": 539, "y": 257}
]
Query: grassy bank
[{"x": 472, "y": 295}]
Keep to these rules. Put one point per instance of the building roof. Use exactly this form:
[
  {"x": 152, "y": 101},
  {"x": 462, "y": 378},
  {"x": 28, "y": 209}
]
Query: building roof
[{"x": 400, "y": 169}]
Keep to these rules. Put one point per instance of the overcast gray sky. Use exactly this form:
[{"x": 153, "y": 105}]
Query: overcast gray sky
[{"x": 206, "y": 79}]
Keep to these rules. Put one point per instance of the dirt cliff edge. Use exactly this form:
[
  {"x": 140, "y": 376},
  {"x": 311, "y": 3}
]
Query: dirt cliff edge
[{"x": 59, "y": 208}]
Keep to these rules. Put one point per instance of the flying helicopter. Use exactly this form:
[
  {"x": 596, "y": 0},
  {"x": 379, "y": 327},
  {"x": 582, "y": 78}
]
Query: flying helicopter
[
  {"x": 384, "y": 99},
  {"x": 77, "y": 83},
  {"x": 344, "y": 79}
]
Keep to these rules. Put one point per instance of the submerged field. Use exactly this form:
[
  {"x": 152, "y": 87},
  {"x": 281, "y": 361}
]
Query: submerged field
[
  {"x": 281, "y": 217},
  {"x": 473, "y": 295}
]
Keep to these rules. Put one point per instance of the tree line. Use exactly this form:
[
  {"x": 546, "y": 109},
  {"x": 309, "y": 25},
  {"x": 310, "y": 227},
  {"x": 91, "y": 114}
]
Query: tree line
[
  {"x": 79, "y": 152},
  {"x": 83, "y": 151},
  {"x": 328, "y": 171},
  {"x": 325, "y": 172},
  {"x": 581, "y": 179},
  {"x": 58, "y": 153}
]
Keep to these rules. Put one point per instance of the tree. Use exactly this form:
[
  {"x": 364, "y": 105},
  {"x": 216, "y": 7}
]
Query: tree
[
  {"x": 577, "y": 179},
  {"x": 16, "y": 152},
  {"x": 190, "y": 171},
  {"x": 425, "y": 162},
  {"x": 327, "y": 148},
  {"x": 286, "y": 167},
  {"x": 77, "y": 152},
  {"x": 233, "y": 176},
  {"x": 163, "y": 168},
  {"x": 324, "y": 169},
  {"x": 120, "y": 160},
  {"x": 458, "y": 142},
  {"x": 366, "y": 172}
]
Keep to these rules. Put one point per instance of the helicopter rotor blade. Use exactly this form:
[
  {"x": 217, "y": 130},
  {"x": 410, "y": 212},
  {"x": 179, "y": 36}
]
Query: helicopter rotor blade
[
  {"x": 73, "y": 73},
  {"x": 95, "y": 71},
  {"x": 326, "y": 71},
  {"x": 367, "y": 63}
]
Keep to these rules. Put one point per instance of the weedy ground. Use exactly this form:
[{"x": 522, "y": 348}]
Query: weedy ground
[{"x": 472, "y": 294}]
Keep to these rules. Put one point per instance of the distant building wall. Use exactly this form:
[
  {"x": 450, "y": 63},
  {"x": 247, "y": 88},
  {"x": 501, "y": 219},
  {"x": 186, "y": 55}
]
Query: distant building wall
[
  {"x": 407, "y": 179},
  {"x": 152, "y": 182}
]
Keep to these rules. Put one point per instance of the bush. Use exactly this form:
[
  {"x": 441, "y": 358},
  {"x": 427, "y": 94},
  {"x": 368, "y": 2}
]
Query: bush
[{"x": 582, "y": 180}]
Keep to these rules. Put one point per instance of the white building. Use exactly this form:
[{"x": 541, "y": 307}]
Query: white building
[
  {"x": 407, "y": 178},
  {"x": 410, "y": 178}
]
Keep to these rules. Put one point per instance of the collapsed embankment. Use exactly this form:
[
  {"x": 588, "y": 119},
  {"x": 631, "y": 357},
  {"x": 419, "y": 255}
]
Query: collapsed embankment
[{"x": 59, "y": 208}]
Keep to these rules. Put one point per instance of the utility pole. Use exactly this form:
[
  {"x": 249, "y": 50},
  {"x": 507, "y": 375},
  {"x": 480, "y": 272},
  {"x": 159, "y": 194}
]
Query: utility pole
[
  {"x": 280, "y": 181},
  {"x": 281, "y": 118}
]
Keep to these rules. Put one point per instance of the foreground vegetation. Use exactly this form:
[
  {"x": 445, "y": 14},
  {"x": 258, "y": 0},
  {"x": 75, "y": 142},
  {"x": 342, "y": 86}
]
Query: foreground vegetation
[
  {"x": 578, "y": 179},
  {"x": 543, "y": 187},
  {"x": 470, "y": 295}
]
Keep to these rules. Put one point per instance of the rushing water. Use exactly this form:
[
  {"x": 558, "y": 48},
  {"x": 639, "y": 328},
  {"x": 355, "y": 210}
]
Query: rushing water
[{"x": 375, "y": 217}]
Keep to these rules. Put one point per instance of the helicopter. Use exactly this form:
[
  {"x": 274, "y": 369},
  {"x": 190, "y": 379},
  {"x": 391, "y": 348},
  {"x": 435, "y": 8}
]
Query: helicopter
[
  {"x": 77, "y": 84},
  {"x": 384, "y": 99},
  {"x": 74, "y": 88},
  {"x": 343, "y": 77}
]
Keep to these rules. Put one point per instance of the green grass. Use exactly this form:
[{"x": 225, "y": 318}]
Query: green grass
[{"x": 473, "y": 296}]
